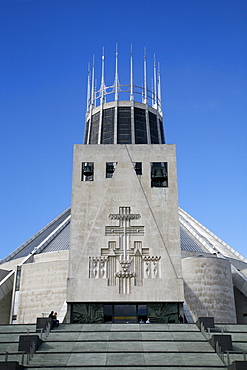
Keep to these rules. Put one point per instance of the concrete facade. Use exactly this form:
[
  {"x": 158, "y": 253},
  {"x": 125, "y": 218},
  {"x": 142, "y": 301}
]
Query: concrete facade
[
  {"x": 150, "y": 243},
  {"x": 241, "y": 306},
  {"x": 42, "y": 287}
]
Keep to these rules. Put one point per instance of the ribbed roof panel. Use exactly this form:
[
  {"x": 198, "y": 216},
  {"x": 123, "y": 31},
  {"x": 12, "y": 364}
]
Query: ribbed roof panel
[
  {"x": 38, "y": 238},
  {"x": 188, "y": 243},
  {"x": 60, "y": 242}
]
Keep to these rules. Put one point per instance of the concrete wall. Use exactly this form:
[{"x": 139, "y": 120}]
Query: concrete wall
[
  {"x": 43, "y": 286},
  {"x": 241, "y": 306},
  {"x": 11, "y": 264},
  {"x": 5, "y": 305},
  {"x": 208, "y": 288},
  {"x": 158, "y": 275},
  {"x": 3, "y": 273}
]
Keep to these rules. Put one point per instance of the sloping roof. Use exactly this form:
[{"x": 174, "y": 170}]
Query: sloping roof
[
  {"x": 55, "y": 236},
  {"x": 58, "y": 240},
  {"x": 205, "y": 239}
]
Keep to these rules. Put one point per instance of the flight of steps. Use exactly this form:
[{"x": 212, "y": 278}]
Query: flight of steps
[
  {"x": 9, "y": 341},
  {"x": 238, "y": 333},
  {"x": 116, "y": 346}
]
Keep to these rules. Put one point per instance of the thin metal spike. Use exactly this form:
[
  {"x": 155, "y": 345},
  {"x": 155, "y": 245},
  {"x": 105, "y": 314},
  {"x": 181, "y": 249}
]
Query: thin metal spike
[
  {"x": 93, "y": 84},
  {"x": 131, "y": 75},
  {"x": 116, "y": 83},
  {"x": 102, "y": 98},
  {"x": 159, "y": 90},
  {"x": 155, "y": 84},
  {"x": 145, "y": 77},
  {"x": 88, "y": 88},
  {"x": 152, "y": 92}
]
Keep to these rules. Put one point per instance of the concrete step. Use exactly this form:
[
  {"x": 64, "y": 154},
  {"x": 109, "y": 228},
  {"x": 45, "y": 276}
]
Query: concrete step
[
  {"x": 126, "y": 359},
  {"x": 133, "y": 367},
  {"x": 17, "y": 328},
  {"x": 126, "y": 346},
  {"x": 119, "y": 346},
  {"x": 122, "y": 346}
]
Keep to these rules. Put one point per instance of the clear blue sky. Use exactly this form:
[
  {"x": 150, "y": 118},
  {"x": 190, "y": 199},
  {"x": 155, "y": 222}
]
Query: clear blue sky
[{"x": 45, "y": 47}]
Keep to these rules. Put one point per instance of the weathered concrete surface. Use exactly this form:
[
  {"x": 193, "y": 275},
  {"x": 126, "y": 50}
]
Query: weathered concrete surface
[
  {"x": 94, "y": 201},
  {"x": 43, "y": 286},
  {"x": 208, "y": 288}
]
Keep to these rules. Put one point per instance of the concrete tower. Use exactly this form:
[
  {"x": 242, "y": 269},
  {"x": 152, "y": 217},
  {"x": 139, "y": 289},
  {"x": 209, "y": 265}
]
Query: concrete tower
[
  {"x": 125, "y": 255},
  {"x": 124, "y": 251}
]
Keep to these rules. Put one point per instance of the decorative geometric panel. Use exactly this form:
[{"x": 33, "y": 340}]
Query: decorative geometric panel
[
  {"x": 86, "y": 313},
  {"x": 163, "y": 312},
  {"x": 125, "y": 262}
]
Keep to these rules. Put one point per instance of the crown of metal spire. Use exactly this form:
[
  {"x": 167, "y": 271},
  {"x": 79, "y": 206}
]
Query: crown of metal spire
[{"x": 97, "y": 97}]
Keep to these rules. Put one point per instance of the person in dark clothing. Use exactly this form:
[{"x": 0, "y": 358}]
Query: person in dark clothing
[
  {"x": 180, "y": 319},
  {"x": 55, "y": 320},
  {"x": 51, "y": 314}
]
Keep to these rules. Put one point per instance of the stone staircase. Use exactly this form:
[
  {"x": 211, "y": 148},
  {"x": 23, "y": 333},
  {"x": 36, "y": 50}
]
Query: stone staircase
[
  {"x": 116, "y": 346},
  {"x": 123, "y": 346},
  {"x": 239, "y": 341},
  {"x": 9, "y": 342}
]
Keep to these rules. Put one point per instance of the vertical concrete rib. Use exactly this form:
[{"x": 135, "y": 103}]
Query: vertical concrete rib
[
  {"x": 115, "y": 121},
  {"x": 158, "y": 126},
  {"x": 147, "y": 125},
  {"x": 132, "y": 117}
]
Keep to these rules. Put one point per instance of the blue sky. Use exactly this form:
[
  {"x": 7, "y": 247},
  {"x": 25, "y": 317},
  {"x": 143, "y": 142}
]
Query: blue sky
[{"x": 45, "y": 47}]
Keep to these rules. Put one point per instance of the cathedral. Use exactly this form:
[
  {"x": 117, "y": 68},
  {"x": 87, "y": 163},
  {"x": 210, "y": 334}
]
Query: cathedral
[{"x": 124, "y": 251}]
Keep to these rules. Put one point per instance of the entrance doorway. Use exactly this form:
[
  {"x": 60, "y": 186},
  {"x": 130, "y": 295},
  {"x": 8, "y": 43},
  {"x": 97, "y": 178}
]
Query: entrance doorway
[
  {"x": 158, "y": 312},
  {"x": 125, "y": 313}
]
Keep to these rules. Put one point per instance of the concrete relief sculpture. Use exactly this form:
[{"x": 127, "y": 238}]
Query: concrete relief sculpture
[
  {"x": 151, "y": 266},
  {"x": 98, "y": 267},
  {"x": 124, "y": 262}
]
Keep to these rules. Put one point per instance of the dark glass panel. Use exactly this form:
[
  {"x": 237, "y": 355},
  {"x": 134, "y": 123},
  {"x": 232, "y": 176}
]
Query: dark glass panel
[
  {"x": 107, "y": 136},
  {"x": 86, "y": 132},
  {"x": 94, "y": 129},
  {"x": 125, "y": 313},
  {"x": 153, "y": 128},
  {"x": 142, "y": 309},
  {"x": 142, "y": 313},
  {"x": 162, "y": 132},
  {"x": 108, "y": 312},
  {"x": 124, "y": 125},
  {"x": 140, "y": 126}
]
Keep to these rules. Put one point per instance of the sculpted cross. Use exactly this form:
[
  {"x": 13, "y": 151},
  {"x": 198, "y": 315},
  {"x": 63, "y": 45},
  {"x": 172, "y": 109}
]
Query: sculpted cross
[{"x": 124, "y": 230}]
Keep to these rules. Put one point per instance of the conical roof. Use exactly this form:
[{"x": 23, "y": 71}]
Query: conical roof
[{"x": 194, "y": 237}]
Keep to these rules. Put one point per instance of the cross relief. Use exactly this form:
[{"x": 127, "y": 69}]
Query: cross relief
[{"x": 124, "y": 262}]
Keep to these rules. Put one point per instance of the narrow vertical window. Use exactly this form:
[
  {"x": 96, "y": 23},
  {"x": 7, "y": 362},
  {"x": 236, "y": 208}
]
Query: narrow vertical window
[
  {"x": 110, "y": 169},
  {"x": 159, "y": 177},
  {"x": 87, "y": 173},
  {"x": 138, "y": 168}
]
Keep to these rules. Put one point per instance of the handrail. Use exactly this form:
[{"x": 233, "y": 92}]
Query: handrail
[
  {"x": 217, "y": 346},
  {"x": 32, "y": 348},
  {"x": 219, "y": 352},
  {"x": 215, "y": 330},
  {"x": 23, "y": 353},
  {"x": 47, "y": 330},
  {"x": 208, "y": 332},
  {"x": 41, "y": 332},
  {"x": 237, "y": 353}
]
